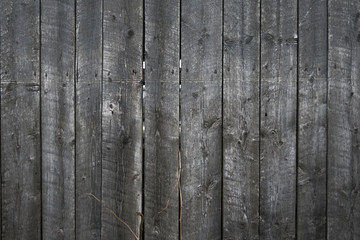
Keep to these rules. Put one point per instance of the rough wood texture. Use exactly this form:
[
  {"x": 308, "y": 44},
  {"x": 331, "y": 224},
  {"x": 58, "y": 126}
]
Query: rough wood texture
[
  {"x": 122, "y": 117},
  {"x": 88, "y": 118},
  {"x": 201, "y": 120},
  {"x": 343, "y": 120},
  {"x": 161, "y": 106},
  {"x": 241, "y": 119},
  {"x": 278, "y": 119},
  {"x": 312, "y": 138},
  {"x": 58, "y": 125},
  {"x": 71, "y": 82},
  {"x": 20, "y": 120}
]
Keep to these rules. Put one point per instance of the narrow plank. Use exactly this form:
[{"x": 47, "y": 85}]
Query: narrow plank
[
  {"x": 343, "y": 120},
  {"x": 20, "y": 120},
  {"x": 278, "y": 119},
  {"x": 88, "y": 118},
  {"x": 57, "y": 120},
  {"x": 201, "y": 118},
  {"x": 122, "y": 117},
  {"x": 161, "y": 112},
  {"x": 312, "y": 139},
  {"x": 241, "y": 119}
]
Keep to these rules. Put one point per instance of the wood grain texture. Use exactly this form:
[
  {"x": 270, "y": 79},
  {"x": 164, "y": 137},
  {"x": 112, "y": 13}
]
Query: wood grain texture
[
  {"x": 312, "y": 125},
  {"x": 20, "y": 120},
  {"x": 278, "y": 119},
  {"x": 161, "y": 106},
  {"x": 122, "y": 117},
  {"x": 88, "y": 118},
  {"x": 58, "y": 123},
  {"x": 343, "y": 120},
  {"x": 241, "y": 119},
  {"x": 201, "y": 119},
  {"x": 122, "y": 158}
]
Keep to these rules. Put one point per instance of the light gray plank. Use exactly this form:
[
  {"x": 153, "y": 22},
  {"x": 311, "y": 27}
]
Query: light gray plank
[
  {"x": 312, "y": 139},
  {"x": 122, "y": 117},
  {"x": 58, "y": 124},
  {"x": 20, "y": 120},
  {"x": 343, "y": 120},
  {"x": 161, "y": 106},
  {"x": 201, "y": 119},
  {"x": 241, "y": 119},
  {"x": 278, "y": 119},
  {"x": 88, "y": 118}
]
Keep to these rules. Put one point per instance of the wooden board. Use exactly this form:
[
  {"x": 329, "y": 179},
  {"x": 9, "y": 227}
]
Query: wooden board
[
  {"x": 343, "y": 120},
  {"x": 278, "y": 119},
  {"x": 20, "y": 120},
  {"x": 57, "y": 119},
  {"x": 122, "y": 117},
  {"x": 241, "y": 119},
  {"x": 88, "y": 117},
  {"x": 201, "y": 118},
  {"x": 161, "y": 112},
  {"x": 312, "y": 129}
]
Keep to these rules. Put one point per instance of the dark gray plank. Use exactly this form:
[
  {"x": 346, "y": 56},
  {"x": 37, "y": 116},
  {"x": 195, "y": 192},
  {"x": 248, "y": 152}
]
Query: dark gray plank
[
  {"x": 20, "y": 120},
  {"x": 161, "y": 106},
  {"x": 58, "y": 124},
  {"x": 311, "y": 194},
  {"x": 278, "y": 119},
  {"x": 122, "y": 117},
  {"x": 201, "y": 119},
  {"x": 88, "y": 118},
  {"x": 20, "y": 154},
  {"x": 343, "y": 120},
  {"x": 122, "y": 157},
  {"x": 241, "y": 119}
]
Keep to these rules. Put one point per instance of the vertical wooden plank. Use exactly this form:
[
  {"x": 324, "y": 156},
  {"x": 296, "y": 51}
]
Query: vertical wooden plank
[
  {"x": 201, "y": 118},
  {"x": 161, "y": 106},
  {"x": 343, "y": 120},
  {"x": 20, "y": 120},
  {"x": 241, "y": 119},
  {"x": 312, "y": 139},
  {"x": 58, "y": 111},
  {"x": 88, "y": 117},
  {"x": 278, "y": 119},
  {"x": 122, "y": 116}
]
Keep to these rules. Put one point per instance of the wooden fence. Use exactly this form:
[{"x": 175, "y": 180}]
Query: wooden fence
[{"x": 264, "y": 107}]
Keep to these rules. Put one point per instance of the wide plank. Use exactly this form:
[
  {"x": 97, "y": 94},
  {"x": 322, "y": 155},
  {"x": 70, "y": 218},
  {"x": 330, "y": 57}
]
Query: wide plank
[
  {"x": 278, "y": 119},
  {"x": 161, "y": 114},
  {"x": 88, "y": 117},
  {"x": 20, "y": 120},
  {"x": 58, "y": 118},
  {"x": 201, "y": 118},
  {"x": 241, "y": 119},
  {"x": 343, "y": 120},
  {"x": 122, "y": 117},
  {"x": 312, "y": 120}
]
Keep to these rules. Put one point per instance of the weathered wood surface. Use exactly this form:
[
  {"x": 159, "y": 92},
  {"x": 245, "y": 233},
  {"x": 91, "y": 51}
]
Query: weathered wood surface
[
  {"x": 201, "y": 121},
  {"x": 253, "y": 165},
  {"x": 161, "y": 113},
  {"x": 122, "y": 117},
  {"x": 58, "y": 119},
  {"x": 343, "y": 120},
  {"x": 312, "y": 125},
  {"x": 278, "y": 119},
  {"x": 88, "y": 117},
  {"x": 241, "y": 119},
  {"x": 20, "y": 120}
]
